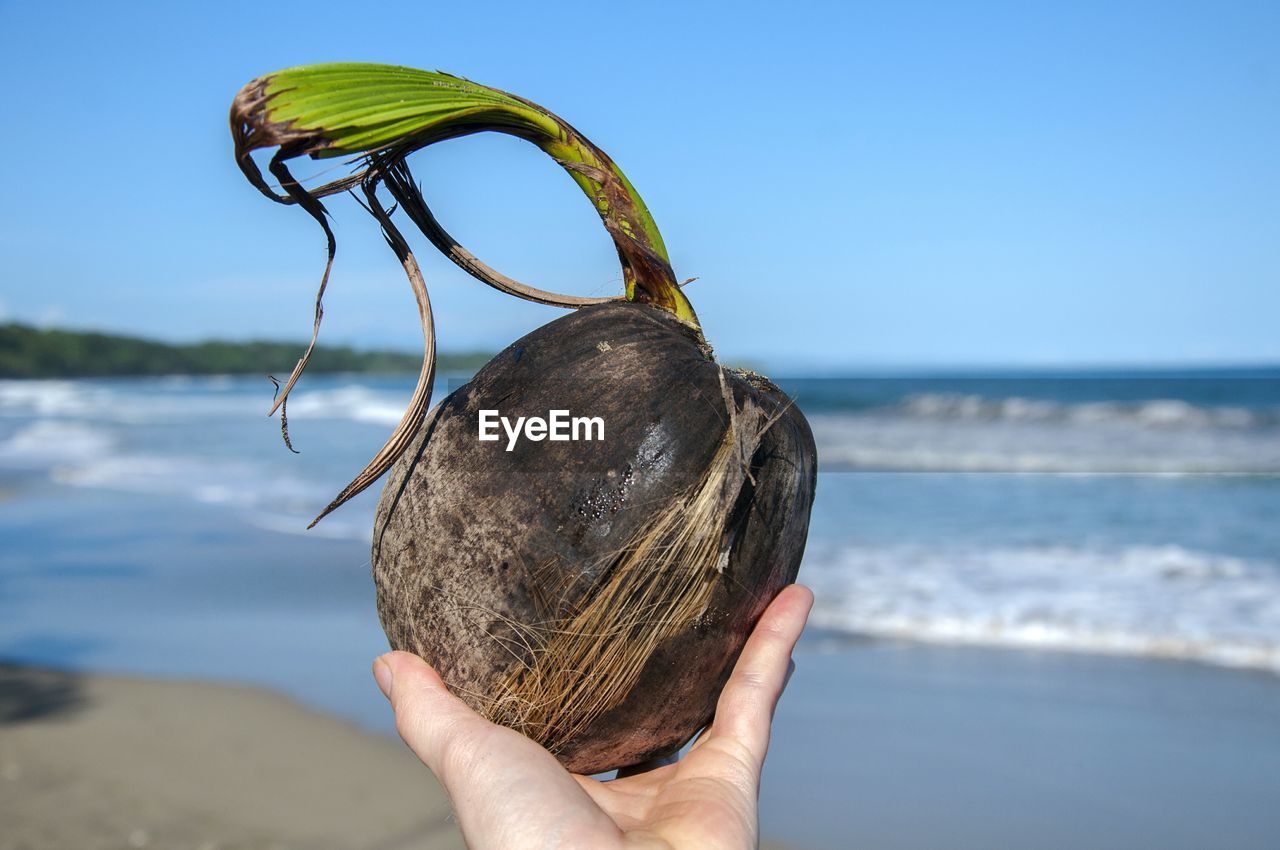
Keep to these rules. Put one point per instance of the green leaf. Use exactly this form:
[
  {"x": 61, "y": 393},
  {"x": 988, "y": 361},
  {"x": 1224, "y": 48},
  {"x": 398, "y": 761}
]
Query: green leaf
[
  {"x": 379, "y": 114},
  {"x": 362, "y": 108}
]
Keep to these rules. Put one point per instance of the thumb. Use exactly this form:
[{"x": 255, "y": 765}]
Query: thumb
[
  {"x": 441, "y": 729},
  {"x": 503, "y": 786}
]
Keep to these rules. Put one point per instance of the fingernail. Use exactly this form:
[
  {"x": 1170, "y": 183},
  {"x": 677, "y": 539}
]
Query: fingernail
[{"x": 382, "y": 675}]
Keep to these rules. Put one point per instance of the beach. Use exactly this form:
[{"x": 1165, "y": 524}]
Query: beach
[
  {"x": 876, "y": 745},
  {"x": 91, "y": 762},
  {"x": 995, "y": 659},
  {"x": 98, "y": 762},
  {"x": 894, "y": 744},
  {"x": 991, "y": 290}
]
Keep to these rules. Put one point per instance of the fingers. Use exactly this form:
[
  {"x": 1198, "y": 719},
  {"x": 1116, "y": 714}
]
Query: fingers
[
  {"x": 437, "y": 726},
  {"x": 745, "y": 709},
  {"x": 501, "y": 783}
]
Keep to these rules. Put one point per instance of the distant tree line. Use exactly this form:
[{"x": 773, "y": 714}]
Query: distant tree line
[{"x": 28, "y": 352}]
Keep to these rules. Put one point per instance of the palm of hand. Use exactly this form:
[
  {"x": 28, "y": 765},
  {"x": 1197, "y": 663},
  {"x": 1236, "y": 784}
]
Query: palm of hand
[{"x": 510, "y": 793}]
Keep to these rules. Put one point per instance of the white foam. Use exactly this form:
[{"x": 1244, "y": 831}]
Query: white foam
[
  {"x": 174, "y": 399},
  {"x": 141, "y": 473},
  {"x": 354, "y": 402},
  {"x": 1156, "y": 413},
  {"x": 358, "y": 403},
  {"x": 242, "y": 486},
  {"x": 133, "y": 402},
  {"x": 1163, "y": 601},
  {"x": 47, "y": 442},
  {"x": 84, "y": 434},
  {"x": 1013, "y": 444},
  {"x": 43, "y": 398}
]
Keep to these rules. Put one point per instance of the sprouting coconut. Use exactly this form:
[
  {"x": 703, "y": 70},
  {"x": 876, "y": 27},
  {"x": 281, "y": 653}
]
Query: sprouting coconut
[{"x": 592, "y": 593}]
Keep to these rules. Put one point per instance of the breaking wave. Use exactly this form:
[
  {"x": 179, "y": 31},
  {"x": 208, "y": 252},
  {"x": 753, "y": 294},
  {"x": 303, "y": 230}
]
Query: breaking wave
[
  {"x": 1152, "y": 413},
  {"x": 1008, "y": 437},
  {"x": 45, "y": 442},
  {"x": 353, "y": 402},
  {"x": 1158, "y": 601}
]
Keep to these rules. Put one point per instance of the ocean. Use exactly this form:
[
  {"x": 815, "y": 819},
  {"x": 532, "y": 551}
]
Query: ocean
[{"x": 1111, "y": 513}]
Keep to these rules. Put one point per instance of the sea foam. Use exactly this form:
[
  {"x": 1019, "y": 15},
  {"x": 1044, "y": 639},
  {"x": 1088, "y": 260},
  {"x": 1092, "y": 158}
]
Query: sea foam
[
  {"x": 910, "y": 441},
  {"x": 1162, "y": 601}
]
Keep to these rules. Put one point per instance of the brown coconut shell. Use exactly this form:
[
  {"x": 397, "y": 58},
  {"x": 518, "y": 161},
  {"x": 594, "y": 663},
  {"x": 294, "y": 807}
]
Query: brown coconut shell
[{"x": 479, "y": 553}]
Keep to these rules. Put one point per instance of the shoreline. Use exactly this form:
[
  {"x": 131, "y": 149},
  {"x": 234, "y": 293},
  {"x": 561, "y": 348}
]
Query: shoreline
[
  {"x": 876, "y": 744},
  {"x": 920, "y": 746}
]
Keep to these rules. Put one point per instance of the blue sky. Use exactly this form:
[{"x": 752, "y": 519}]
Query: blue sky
[{"x": 854, "y": 184}]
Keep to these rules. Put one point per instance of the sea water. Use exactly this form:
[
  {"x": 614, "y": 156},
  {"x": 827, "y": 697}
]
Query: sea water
[{"x": 1118, "y": 513}]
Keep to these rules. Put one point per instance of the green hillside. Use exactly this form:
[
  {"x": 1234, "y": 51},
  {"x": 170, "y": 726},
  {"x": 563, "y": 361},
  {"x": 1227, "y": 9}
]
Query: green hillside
[{"x": 28, "y": 352}]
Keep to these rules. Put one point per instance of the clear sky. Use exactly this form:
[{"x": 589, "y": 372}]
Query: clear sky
[{"x": 854, "y": 184}]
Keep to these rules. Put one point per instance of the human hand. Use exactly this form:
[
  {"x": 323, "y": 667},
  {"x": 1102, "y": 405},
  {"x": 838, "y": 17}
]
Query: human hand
[{"x": 510, "y": 793}]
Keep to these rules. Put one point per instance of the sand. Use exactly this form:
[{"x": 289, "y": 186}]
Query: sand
[
  {"x": 92, "y": 762},
  {"x": 900, "y": 746},
  {"x": 882, "y": 745}
]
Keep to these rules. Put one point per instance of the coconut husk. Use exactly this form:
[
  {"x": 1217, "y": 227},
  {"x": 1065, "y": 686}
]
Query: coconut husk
[{"x": 595, "y": 595}]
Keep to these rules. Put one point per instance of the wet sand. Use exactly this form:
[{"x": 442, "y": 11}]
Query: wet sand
[
  {"x": 91, "y": 762},
  {"x": 904, "y": 746}
]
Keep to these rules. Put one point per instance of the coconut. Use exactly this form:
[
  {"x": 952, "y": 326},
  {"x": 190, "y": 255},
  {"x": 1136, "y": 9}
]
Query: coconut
[{"x": 593, "y": 594}]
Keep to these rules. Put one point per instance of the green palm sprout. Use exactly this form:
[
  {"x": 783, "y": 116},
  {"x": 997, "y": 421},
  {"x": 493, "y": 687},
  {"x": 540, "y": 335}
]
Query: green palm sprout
[{"x": 376, "y": 115}]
